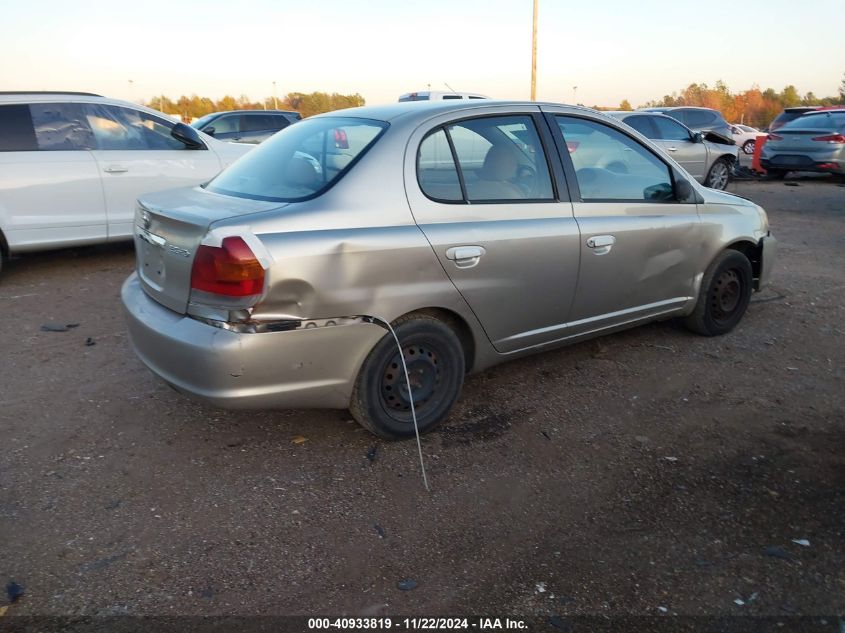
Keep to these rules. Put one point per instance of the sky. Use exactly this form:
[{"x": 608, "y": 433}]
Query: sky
[{"x": 610, "y": 49}]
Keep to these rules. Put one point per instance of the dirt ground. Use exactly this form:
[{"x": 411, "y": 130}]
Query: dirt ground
[{"x": 647, "y": 472}]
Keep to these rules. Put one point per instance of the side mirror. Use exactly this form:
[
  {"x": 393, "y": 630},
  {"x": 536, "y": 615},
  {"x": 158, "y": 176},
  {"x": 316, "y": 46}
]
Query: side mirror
[
  {"x": 187, "y": 135},
  {"x": 683, "y": 190},
  {"x": 697, "y": 137},
  {"x": 209, "y": 130}
]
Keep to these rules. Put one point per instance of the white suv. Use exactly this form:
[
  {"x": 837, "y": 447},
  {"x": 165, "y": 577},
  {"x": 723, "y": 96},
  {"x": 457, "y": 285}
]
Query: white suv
[{"x": 73, "y": 164}]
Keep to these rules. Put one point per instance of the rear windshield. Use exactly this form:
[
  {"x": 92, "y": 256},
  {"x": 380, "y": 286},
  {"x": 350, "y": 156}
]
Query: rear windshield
[
  {"x": 817, "y": 121},
  {"x": 300, "y": 162},
  {"x": 785, "y": 117}
]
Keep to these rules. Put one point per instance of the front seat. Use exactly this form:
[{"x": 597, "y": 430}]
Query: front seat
[{"x": 499, "y": 169}]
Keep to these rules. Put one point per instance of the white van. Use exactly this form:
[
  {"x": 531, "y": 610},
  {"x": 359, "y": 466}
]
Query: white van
[{"x": 429, "y": 95}]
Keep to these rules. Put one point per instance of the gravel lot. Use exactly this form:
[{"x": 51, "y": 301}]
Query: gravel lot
[{"x": 647, "y": 469}]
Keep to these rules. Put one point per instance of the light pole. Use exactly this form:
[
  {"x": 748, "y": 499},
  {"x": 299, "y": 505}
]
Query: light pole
[
  {"x": 275, "y": 103},
  {"x": 534, "y": 55},
  {"x": 574, "y": 95},
  {"x": 131, "y": 90}
]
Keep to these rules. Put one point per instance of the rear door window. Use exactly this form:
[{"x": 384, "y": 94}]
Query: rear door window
[
  {"x": 610, "y": 165},
  {"x": 501, "y": 158},
  {"x": 697, "y": 118},
  {"x": 257, "y": 122},
  {"x": 643, "y": 124},
  {"x": 61, "y": 127},
  {"x": 436, "y": 171}
]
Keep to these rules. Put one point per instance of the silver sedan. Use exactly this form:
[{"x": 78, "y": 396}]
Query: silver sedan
[
  {"x": 479, "y": 232},
  {"x": 812, "y": 142},
  {"x": 705, "y": 155}
]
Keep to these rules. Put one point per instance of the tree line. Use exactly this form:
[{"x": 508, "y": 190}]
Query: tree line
[
  {"x": 752, "y": 107},
  {"x": 194, "y": 107}
]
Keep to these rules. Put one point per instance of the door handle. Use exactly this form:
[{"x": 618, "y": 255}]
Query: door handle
[
  {"x": 116, "y": 169},
  {"x": 601, "y": 244},
  {"x": 465, "y": 256},
  {"x": 671, "y": 149}
]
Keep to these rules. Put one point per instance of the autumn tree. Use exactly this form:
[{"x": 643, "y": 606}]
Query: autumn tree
[{"x": 625, "y": 105}]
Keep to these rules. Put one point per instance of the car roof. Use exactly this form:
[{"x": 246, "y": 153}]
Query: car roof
[
  {"x": 252, "y": 112},
  {"x": 426, "y": 109},
  {"x": 45, "y": 95},
  {"x": 664, "y": 108}
]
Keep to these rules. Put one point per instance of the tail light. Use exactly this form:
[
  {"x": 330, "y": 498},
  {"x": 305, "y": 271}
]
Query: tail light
[
  {"x": 773, "y": 137},
  {"x": 230, "y": 269},
  {"x": 340, "y": 139},
  {"x": 830, "y": 138}
]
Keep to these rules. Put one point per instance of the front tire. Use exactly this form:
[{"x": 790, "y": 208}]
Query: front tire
[
  {"x": 724, "y": 295},
  {"x": 748, "y": 147},
  {"x": 719, "y": 175},
  {"x": 436, "y": 367}
]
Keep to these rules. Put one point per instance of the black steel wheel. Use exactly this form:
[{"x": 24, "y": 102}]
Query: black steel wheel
[
  {"x": 724, "y": 295},
  {"x": 435, "y": 360}
]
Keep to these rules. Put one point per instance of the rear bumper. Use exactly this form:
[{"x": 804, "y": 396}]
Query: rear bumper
[
  {"x": 802, "y": 162},
  {"x": 306, "y": 368}
]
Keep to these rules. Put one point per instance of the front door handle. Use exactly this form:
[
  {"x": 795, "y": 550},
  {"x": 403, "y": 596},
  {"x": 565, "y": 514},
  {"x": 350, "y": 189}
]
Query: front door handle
[
  {"x": 116, "y": 169},
  {"x": 601, "y": 244},
  {"x": 465, "y": 256},
  {"x": 672, "y": 149}
]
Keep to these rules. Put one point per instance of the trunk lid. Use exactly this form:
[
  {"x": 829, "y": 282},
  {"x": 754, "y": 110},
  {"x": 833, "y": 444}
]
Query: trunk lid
[
  {"x": 169, "y": 227},
  {"x": 800, "y": 139}
]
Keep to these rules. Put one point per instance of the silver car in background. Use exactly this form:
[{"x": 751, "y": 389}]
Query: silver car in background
[
  {"x": 702, "y": 154},
  {"x": 813, "y": 142},
  {"x": 482, "y": 231}
]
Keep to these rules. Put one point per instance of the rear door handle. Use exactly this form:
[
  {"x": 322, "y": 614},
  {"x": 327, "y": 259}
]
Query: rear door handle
[
  {"x": 465, "y": 256},
  {"x": 116, "y": 169},
  {"x": 601, "y": 244}
]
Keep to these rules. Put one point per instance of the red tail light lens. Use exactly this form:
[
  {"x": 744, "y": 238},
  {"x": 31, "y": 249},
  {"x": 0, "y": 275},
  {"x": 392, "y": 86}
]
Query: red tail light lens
[
  {"x": 340, "y": 139},
  {"x": 773, "y": 137},
  {"x": 830, "y": 138},
  {"x": 230, "y": 269}
]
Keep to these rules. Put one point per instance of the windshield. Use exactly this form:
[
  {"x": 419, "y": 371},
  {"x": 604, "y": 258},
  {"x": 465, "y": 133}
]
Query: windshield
[
  {"x": 300, "y": 162},
  {"x": 202, "y": 121},
  {"x": 817, "y": 121}
]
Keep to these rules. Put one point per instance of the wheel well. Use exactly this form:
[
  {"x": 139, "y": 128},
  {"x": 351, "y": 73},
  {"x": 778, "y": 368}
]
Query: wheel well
[
  {"x": 459, "y": 325},
  {"x": 754, "y": 253},
  {"x": 4, "y": 246}
]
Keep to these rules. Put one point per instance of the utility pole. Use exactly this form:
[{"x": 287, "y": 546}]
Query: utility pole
[
  {"x": 534, "y": 56},
  {"x": 275, "y": 103}
]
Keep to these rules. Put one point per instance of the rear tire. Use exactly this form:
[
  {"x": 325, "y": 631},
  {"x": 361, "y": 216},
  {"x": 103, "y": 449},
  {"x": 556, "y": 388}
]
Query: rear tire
[
  {"x": 724, "y": 295},
  {"x": 719, "y": 175},
  {"x": 436, "y": 366}
]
